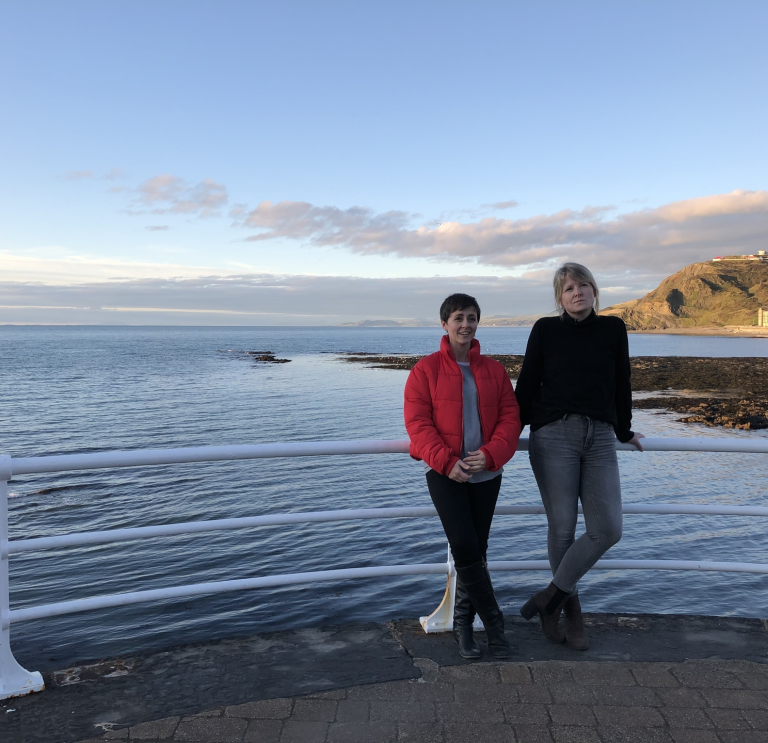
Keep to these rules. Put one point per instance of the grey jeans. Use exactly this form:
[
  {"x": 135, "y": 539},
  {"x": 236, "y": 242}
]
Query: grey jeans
[{"x": 574, "y": 459}]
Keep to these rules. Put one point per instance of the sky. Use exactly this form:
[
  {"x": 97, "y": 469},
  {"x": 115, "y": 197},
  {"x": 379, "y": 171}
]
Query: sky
[{"x": 254, "y": 163}]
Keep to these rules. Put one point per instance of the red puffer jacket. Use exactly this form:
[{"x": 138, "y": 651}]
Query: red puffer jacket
[{"x": 434, "y": 409}]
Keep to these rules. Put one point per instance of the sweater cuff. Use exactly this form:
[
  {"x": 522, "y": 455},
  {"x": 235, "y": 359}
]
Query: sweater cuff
[{"x": 625, "y": 436}]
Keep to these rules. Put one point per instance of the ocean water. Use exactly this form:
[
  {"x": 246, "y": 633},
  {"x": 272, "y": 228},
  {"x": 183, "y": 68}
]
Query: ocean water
[{"x": 84, "y": 389}]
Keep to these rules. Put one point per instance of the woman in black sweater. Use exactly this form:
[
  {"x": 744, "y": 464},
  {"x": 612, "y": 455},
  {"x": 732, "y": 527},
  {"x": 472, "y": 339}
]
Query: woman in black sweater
[{"x": 575, "y": 393}]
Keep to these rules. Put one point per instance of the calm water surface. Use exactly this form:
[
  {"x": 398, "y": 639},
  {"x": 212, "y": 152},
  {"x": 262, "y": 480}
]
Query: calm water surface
[{"x": 69, "y": 390}]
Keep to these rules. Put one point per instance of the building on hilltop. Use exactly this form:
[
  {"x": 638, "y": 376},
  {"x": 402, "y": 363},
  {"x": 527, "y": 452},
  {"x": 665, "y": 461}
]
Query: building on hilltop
[{"x": 761, "y": 256}]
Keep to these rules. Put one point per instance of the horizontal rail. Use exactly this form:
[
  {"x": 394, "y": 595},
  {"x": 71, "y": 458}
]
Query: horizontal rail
[
  {"x": 193, "y": 527},
  {"x": 697, "y": 509},
  {"x": 190, "y": 527},
  {"x": 144, "y": 457},
  {"x": 198, "y": 589},
  {"x": 711, "y": 567}
]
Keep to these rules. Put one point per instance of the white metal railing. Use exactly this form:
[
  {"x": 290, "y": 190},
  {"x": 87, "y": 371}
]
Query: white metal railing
[{"x": 15, "y": 680}]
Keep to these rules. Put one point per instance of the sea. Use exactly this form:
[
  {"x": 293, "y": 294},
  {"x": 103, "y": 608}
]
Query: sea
[{"x": 66, "y": 390}]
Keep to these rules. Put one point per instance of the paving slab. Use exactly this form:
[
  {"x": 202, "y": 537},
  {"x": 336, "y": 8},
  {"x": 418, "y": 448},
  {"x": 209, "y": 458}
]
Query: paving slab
[{"x": 645, "y": 678}]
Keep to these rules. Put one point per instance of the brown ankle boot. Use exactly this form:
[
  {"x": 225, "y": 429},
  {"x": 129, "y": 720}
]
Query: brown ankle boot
[
  {"x": 537, "y": 604},
  {"x": 575, "y": 634}
]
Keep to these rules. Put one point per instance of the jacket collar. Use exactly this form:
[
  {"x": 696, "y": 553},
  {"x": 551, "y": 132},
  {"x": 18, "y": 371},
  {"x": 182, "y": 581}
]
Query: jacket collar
[
  {"x": 474, "y": 349},
  {"x": 568, "y": 320}
]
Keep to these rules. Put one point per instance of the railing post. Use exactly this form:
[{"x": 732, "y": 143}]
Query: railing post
[
  {"x": 441, "y": 619},
  {"x": 15, "y": 681}
]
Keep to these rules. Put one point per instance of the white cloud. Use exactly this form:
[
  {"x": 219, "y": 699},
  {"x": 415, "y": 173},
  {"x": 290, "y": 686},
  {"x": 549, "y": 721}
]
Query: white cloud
[
  {"x": 655, "y": 242},
  {"x": 260, "y": 299},
  {"x": 358, "y": 228},
  {"x": 77, "y": 175},
  {"x": 114, "y": 174},
  {"x": 501, "y": 205},
  {"x": 169, "y": 194},
  {"x": 58, "y": 267}
]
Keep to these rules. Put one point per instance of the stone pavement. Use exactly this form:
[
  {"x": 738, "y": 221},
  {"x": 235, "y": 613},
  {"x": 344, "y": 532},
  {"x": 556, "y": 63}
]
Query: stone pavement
[
  {"x": 564, "y": 702},
  {"x": 645, "y": 678}
]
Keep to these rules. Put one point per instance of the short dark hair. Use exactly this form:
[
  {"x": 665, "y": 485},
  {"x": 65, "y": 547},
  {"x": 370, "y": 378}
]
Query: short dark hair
[{"x": 457, "y": 302}]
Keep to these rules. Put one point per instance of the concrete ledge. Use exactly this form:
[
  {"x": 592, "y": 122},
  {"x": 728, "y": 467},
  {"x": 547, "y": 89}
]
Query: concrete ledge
[{"x": 616, "y": 637}]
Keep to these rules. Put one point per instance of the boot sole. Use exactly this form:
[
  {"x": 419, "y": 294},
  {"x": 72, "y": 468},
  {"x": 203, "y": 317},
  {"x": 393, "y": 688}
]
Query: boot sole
[
  {"x": 505, "y": 654},
  {"x": 574, "y": 646},
  {"x": 470, "y": 657}
]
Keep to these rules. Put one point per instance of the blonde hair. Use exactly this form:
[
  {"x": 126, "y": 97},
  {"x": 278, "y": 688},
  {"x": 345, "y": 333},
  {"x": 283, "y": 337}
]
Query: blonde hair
[{"x": 579, "y": 273}]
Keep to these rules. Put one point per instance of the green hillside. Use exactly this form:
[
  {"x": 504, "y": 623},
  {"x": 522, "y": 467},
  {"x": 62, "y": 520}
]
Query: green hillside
[{"x": 701, "y": 295}]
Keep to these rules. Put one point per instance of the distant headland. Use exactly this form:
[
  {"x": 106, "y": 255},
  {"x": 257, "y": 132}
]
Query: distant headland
[{"x": 724, "y": 296}]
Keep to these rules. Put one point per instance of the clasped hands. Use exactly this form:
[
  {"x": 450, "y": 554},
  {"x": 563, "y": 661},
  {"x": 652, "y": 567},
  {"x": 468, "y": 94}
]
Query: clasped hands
[{"x": 465, "y": 468}]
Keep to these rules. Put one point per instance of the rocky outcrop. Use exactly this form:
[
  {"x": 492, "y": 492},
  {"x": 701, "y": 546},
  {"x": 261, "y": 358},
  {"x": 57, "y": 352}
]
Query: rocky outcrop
[
  {"x": 735, "y": 390},
  {"x": 259, "y": 357},
  {"x": 748, "y": 414},
  {"x": 712, "y": 294}
]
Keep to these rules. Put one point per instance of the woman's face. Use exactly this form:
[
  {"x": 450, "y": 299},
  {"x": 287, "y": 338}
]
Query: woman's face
[
  {"x": 461, "y": 326},
  {"x": 577, "y": 298}
]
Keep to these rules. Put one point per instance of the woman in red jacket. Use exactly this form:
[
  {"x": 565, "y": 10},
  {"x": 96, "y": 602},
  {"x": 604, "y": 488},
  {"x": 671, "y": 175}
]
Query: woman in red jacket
[{"x": 463, "y": 421}]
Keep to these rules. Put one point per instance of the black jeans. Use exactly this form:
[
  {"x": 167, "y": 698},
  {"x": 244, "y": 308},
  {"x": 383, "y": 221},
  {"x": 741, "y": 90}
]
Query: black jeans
[{"x": 466, "y": 511}]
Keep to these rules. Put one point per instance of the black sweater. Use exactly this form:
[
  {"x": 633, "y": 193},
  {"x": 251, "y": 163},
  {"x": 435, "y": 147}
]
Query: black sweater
[{"x": 577, "y": 367}]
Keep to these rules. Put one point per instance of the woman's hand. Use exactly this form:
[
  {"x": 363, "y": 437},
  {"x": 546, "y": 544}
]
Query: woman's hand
[
  {"x": 476, "y": 461},
  {"x": 460, "y": 472},
  {"x": 635, "y": 441}
]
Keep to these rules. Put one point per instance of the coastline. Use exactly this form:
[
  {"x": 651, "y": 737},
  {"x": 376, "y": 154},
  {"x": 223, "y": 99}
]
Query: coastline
[{"x": 744, "y": 331}]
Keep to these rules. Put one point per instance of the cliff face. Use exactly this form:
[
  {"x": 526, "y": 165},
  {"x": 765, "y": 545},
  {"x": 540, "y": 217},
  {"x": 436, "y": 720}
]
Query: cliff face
[{"x": 701, "y": 295}]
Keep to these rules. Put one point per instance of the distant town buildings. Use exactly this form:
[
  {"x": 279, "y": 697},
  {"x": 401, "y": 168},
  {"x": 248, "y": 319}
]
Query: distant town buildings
[
  {"x": 761, "y": 256},
  {"x": 762, "y": 318}
]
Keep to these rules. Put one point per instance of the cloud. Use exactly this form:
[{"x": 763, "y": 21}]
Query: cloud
[
  {"x": 358, "y": 228},
  {"x": 55, "y": 266},
  {"x": 261, "y": 299},
  {"x": 169, "y": 194},
  {"x": 77, "y": 175},
  {"x": 114, "y": 174},
  {"x": 655, "y": 242},
  {"x": 501, "y": 205},
  {"x": 53, "y": 286},
  {"x": 157, "y": 227}
]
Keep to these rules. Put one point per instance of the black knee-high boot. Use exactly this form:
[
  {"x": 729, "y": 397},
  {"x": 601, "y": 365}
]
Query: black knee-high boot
[
  {"x": 478, "y": 586},
  {"x": 463, "y": 617}
]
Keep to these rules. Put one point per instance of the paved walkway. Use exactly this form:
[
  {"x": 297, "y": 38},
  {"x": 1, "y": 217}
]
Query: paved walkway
[
  {"x": 645, "y": 678},
  {"x": 564, "y": 702}
]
